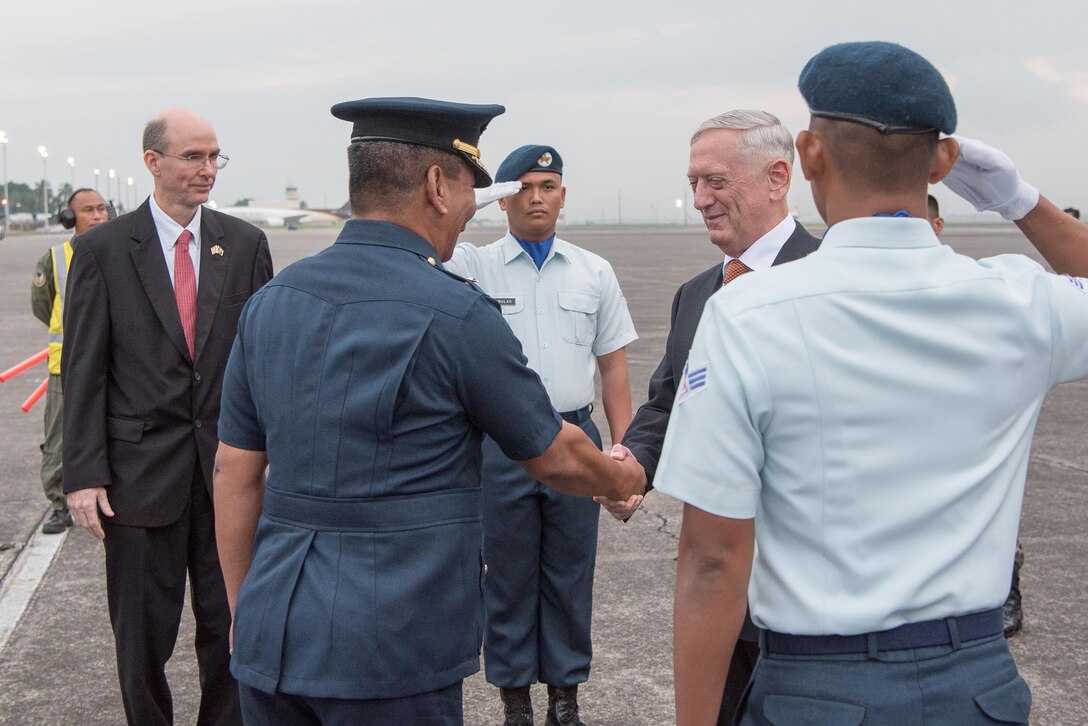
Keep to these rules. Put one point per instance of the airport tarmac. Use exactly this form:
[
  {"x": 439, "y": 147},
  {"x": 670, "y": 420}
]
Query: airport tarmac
[{"x": 57, "y": 663}]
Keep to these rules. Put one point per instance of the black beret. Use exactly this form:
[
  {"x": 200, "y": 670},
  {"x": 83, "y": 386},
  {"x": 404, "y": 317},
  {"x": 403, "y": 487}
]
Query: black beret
[
  {"x": 531, "y": 157},
  {"x": 882, "y": 85},
  {"x": 452, "y": 127}
]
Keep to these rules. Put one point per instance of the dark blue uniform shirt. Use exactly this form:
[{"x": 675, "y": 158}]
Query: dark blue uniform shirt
[{"x": 368, "y": 375}]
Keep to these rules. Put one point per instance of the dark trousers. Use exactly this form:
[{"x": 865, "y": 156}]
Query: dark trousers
[
  {"x": 145, "y": 581},
  {"x": 745, "y": 655},
  {"x": 540, "y": 547},
  {"x": 434, "y": 708},
  {"x": 975, "y": 683},
  {"x": 52, "y": 471}
]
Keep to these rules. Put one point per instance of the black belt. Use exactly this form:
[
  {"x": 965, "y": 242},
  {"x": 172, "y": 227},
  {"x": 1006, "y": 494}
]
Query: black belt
[
  {"x": 578, "y": 417},
  {"x": 947, "y": 631},
  {"x": 376, "y": 514}
]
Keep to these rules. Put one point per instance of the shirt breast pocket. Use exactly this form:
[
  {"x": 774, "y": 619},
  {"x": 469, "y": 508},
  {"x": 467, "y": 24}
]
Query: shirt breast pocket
[{"x": 578, "y": 316}]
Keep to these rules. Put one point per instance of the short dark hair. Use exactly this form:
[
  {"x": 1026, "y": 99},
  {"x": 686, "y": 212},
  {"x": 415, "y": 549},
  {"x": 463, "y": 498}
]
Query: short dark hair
[
  {"x": 384, "y": 174},
  {"x": 155, "y": 135},
  {"x": 76, "y": 193},
  {"x": 886, "y": 163},
  {"x": 934, "y": 208}
]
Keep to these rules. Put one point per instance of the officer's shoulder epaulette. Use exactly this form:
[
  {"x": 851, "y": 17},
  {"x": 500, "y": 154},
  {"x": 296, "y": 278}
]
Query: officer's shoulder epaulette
[{"x": 471, "y": 282}]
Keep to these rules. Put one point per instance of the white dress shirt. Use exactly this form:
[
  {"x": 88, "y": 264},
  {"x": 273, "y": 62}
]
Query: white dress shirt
[
  {"x": 872, "y": 407},
  {"x": 762, "y": 253},
  {"x": 169, "y": 231}
]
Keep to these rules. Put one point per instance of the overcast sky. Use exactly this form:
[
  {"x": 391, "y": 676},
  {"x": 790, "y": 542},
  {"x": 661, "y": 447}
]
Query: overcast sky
[{"x": 616, "y": 87}]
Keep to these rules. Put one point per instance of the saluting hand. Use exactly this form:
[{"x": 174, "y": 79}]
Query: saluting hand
[{"x": 84, "y": 504}]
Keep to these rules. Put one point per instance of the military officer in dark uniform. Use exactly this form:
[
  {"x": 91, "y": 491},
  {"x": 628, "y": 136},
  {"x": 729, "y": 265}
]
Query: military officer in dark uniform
[{"x": 364, "y": 378}]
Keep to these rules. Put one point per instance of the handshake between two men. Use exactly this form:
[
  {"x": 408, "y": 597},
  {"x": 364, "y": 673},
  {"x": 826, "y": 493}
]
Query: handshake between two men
[{"x": 574, "y": 465}]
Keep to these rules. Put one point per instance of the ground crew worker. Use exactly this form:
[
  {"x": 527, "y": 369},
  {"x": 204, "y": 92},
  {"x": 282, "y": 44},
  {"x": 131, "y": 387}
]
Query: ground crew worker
[{"x": 85, "y": 209}]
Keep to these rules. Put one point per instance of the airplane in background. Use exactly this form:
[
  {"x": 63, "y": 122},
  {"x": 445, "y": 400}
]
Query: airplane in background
[
  {"x": 277, "y": 217},
  {"x": 290, "y": 212}
]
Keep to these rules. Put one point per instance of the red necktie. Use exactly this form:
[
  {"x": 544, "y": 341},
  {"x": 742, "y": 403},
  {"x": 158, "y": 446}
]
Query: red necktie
[
  {"x": 185, "y": 289},
  {"x": 733, "y": 270}
]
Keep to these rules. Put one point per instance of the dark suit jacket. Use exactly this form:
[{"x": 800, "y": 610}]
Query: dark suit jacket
[
  {"x": 140, "y": 414},
  {"x": 646, "y": 434}
]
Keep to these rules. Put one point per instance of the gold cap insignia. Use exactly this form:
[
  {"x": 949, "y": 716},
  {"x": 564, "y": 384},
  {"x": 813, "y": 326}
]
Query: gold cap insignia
[
  {"x": 467, "y": 148},
  {"x": 545, "y": 159},
  {"x": 472, "y": 151}
]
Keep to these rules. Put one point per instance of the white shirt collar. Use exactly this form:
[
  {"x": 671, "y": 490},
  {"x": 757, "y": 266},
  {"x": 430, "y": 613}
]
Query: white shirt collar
[
  {"x": 169, "y": 230},
  {"x": 763, "y": 252},
  {"x": 886, "y": 232}
]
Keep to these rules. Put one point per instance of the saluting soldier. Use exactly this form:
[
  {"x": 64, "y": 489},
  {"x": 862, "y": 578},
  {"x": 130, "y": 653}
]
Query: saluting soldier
[
  {"x": 565, "y": 305},
  {"x": 866, "y": 415}
]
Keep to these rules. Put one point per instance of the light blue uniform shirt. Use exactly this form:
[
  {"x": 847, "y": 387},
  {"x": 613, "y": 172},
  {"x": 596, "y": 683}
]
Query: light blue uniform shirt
[
  {"x": 565, "y": 314},
  {"x": 872, "y": 407}
]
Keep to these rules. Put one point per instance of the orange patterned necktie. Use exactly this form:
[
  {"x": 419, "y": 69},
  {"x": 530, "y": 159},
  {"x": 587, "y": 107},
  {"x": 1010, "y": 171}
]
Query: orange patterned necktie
[
  {"x": 185, "y": 289},
  {"x": 733, "y": 270}
]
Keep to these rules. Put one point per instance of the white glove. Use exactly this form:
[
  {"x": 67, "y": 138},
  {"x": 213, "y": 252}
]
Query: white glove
[
  {"x": 495, "y": 192},
  {"x": 988, "y": 179}
]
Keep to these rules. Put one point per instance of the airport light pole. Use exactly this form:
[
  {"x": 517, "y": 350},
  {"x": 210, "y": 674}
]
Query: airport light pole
[
  {"x": 131, "y": 194},
  {"x": 72, "y": 166},
  {"x": 45, "y": 193},
  {"x": 7, "y": 202},
  {"x": 109, "y": 184},
  {"x": 96, "y": 173}
]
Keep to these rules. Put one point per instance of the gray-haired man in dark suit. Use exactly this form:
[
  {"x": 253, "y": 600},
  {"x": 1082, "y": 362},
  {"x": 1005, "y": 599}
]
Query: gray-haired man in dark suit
[{"x": 740, "y": 170}]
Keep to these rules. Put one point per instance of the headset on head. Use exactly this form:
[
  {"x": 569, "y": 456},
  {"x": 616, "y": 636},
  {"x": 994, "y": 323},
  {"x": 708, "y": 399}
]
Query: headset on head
[{"x": 67, "y": 217}]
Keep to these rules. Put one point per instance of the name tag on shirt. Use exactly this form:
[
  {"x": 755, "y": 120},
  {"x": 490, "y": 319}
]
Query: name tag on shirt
[{"x": 507, "y": 301}]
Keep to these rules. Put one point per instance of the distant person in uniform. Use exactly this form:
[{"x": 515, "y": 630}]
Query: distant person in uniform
[
  {"x": 740, "y": 171},
  {"x": 152, "y": 308},
  {"x": 565, "y": 306},
  {"x": 85, "y": 209},
  {"x": 364, "y": 379},
  {"x": 866, "y": 414},
  {"x": 933, "y": 214}
]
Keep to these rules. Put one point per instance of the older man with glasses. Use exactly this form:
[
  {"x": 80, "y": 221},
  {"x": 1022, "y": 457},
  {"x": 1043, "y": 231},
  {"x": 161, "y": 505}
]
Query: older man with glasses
[{"x": 152, "y": 308}]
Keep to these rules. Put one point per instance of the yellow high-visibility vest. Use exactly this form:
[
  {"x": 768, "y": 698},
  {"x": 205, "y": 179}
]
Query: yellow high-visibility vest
[{"x": 62, "y": 258}]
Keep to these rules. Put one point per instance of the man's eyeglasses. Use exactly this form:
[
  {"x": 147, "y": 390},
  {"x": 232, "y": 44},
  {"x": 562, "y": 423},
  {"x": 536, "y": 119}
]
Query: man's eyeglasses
[{"x": 198, "y": 160}]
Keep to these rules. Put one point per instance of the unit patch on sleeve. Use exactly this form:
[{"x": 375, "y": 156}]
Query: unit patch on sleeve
[
  {"x": 695, "y": 378},
  {"x": 1078, "y": 282}
]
